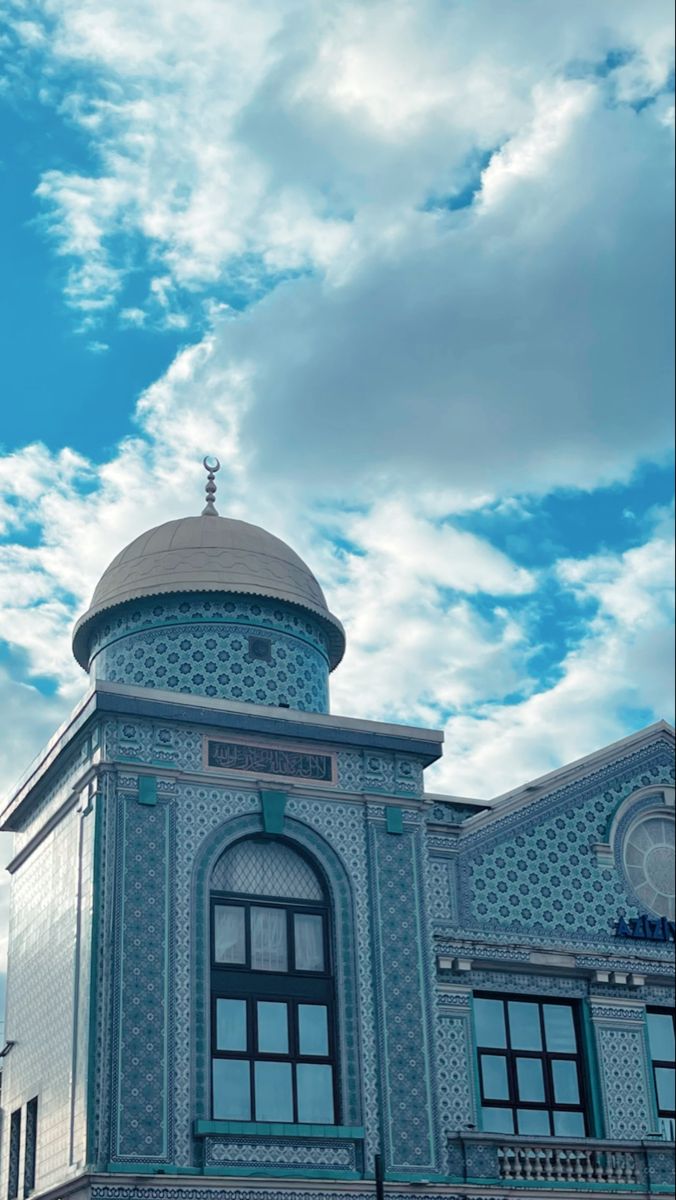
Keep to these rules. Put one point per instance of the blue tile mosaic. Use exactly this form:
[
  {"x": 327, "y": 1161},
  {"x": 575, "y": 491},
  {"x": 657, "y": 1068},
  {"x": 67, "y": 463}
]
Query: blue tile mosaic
[{"x": 233, "y": 648}]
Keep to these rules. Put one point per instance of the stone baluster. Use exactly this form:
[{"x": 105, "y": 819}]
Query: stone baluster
[{"x": 528, "y": 1162}]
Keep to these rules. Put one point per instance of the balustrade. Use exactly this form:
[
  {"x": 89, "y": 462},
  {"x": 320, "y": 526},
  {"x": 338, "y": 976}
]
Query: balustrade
[{"x": 566, "y": 1164}]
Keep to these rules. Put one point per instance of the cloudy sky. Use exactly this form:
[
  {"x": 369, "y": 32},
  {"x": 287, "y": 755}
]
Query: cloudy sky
[{"x": 406, "y": 268}]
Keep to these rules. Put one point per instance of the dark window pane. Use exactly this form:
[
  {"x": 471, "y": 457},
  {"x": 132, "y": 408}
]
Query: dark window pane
[
  {"x": 309, "y": 942},
  {"x": 313, "y": 1030},
  {"x": 230, "y": 1024},
  {"x": 273, "y": 1027},
  {"x": 231, "y": 1089},
  {"x": 497, "y": 1120},
  {"x": 560, "y": 1028},
  {"x": 530, "y": 1080},
  {"x": 532, "y": 1120},
  {"x": 568, "y": 1124},
  {"x": 661, "y": 1035},
  {"x": 229, "y": 942},
  {"x": 272, "y": 1082},
  {"x": 566, "y": 1089},
  {"x": 524, "y": 1025},
  {"x": 268, "y": 939},
  {"x": 664, "y": 1082},
  {"x": 494, "y": 1075},
  {"x": 315, "y": 1094},
  {"x": 489, "y": 1018}
]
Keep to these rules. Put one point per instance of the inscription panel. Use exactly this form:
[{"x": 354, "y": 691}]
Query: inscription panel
[{"x": 276, "y": 761}]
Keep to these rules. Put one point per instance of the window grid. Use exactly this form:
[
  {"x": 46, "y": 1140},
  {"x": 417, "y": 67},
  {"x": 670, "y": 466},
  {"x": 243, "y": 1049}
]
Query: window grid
[
  {"x": 294, "y": 987},
  {"x": 666, "y": 1111},
  {"x": 511, "y": 1055}
]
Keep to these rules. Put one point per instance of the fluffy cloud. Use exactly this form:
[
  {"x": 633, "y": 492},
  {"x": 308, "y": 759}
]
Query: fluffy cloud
[
  {"x": 619, "y": 675},
  {"x": 421, "y": 357}
]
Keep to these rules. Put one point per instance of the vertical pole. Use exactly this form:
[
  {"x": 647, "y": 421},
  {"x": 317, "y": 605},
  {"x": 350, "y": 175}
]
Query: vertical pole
[{"x": 380, "y": 1176}]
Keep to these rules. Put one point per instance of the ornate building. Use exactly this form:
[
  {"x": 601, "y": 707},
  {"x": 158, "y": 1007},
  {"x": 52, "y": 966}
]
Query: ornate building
[{"x": 250, "y": 955}]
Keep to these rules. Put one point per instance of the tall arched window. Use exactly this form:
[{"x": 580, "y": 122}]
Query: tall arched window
[{"x": 272, "y": 995}]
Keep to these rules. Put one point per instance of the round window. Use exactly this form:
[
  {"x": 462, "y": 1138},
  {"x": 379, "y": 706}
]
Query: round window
[{"x": 649, "y": 862}]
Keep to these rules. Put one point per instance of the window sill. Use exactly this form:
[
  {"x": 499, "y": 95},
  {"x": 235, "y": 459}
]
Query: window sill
[{"x": 277, "y": 1129}]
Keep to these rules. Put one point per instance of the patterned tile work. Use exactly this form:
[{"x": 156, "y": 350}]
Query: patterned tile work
[
  {"x": 239, "y": 1152},
  {"x": 452, "y": 813},
  {"x": 454, "y": 1072},
  {"x": 342, "y": 827},
  {"x": 327, "y": 861},
  {"x": 160, "y": 742},
  {"x": 107, "y": 921},
  {"x": 441, "y": 873},
  {"x": 624, "y": 1081},
  {"x": 83, "y": 968},
  {"x": 402, "y": 977},
  {"x": 41, "y": 995},
  {"x": 142, "y": 1017},
  {"x": 213, "y": 815},
  {"x": 200, "y": 645},
  {"x": 540, "y": 863},
  {"x": 239, "y": 1191}
]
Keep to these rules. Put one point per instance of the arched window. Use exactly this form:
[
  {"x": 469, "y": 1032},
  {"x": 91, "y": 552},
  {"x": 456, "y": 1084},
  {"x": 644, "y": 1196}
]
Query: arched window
[{"x": 272, "y": 993}]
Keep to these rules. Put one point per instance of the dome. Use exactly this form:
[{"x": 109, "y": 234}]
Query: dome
[{"x": 208, "y": 554}]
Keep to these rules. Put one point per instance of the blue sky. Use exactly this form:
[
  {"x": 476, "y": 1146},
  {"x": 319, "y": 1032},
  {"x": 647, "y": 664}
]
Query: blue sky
[{"x": 407, "y": 270}]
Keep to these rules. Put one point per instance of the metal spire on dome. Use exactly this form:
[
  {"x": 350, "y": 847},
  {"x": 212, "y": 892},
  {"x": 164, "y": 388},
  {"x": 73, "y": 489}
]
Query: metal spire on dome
[{"x": 211, "y": 466}]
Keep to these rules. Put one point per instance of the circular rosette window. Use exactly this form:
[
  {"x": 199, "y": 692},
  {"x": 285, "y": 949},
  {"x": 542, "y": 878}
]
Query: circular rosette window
[{"x": 648, "y": 855}]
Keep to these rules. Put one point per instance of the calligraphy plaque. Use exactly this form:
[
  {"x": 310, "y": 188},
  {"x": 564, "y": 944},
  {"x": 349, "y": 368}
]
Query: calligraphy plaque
[{"x": 269, "y": 760}]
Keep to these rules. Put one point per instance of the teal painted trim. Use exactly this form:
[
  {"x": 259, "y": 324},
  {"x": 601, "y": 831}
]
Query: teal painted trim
[
  {"x": 129, "y": 758},
  {"x": 279, "y": 1173},
  {"x": 650, "y": 1073},
  {"x": 394, "y": 819},
  {"x": 278, "y": 1129},
  {"x": 415, "y": 1177},
  {"x": 422, "y": 941},
  {"x": 132, "y": 1168},
  {"x": 94, "y": 978},
  {"x": 474, "y": 1067},
  {"x": 273, "y": 805},
  {"x": 590, "y": 1057},
  {"x": 147, "y": 789}
]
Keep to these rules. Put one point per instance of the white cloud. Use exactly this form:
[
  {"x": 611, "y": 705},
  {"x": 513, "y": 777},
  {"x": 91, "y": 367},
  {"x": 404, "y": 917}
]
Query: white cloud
[
  {"x": 424, "y": 362},
  {"x": 263, "y": 131},
  {"x": 622, "y": 668}
]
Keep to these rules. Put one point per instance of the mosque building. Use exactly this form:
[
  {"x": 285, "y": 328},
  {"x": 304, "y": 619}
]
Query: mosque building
[{"x": 252, "y": 958}]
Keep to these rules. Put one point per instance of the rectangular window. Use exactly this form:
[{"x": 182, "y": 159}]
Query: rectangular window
[
  {"x": 272, "y": 1061},
  {"x": 229, "y": 934},
  {"x": 14, "y": 1147},
  {"x": 272, "y": 1023},
  {"x": 530, "y": 1068},
  {"x": 31, "y": 1146},
  {"x": 661, "y": 1042}
]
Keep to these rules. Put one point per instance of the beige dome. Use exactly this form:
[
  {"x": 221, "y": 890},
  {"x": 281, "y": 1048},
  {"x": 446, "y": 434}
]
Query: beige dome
[{"x": 208, "y": 554}]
